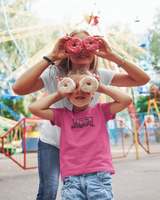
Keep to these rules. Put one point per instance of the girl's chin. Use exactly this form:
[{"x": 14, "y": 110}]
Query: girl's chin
[
  {"x": 81, "y": 63},
  {"x": 87, "y": 66},
  {"x": 84, "y": 62}
]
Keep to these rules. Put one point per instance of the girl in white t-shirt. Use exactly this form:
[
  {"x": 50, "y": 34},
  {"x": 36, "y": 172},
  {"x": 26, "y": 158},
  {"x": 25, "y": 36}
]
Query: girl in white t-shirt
[{"x": 41, "y": 77}]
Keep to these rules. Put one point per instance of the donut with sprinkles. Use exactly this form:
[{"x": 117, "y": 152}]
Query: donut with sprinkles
[
  {"x": 89, "y": 84},
  {"x": 90, "y": 43},
  {"x": 74, "y": 45}
]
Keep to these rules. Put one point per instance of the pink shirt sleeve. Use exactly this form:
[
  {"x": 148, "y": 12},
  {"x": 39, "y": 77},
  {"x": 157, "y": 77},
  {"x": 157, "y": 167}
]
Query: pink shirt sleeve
[
  {"x": 58, "y": 113},
  {"x": 105, "y": 109}
]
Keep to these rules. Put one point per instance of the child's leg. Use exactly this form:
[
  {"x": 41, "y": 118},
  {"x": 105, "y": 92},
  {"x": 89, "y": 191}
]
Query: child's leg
[
  {"x": 99, "y": 186},
  {"x": 71, "y": 189}
]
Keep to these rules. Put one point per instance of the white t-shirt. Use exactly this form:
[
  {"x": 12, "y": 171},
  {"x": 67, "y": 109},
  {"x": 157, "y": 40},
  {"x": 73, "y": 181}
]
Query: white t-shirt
[{"x": 51, "y": 134}]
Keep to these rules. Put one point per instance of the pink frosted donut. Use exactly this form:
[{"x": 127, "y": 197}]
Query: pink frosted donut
[
  {"x": 89, "y": 84},
  {"x": 67, "y": 85},
  {"x": 74, "y": 45},
  {"x": 90, "y": 43}
]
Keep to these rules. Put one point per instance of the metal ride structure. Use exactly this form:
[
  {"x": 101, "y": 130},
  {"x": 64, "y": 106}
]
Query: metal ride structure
[
  {"x": 16, "y": 143},
  {"x": 143, "y": 131},
  {"x": 145, "y": 136},
  {"x": 154, "y": 98},
  {"x": 128, "y": 137}
]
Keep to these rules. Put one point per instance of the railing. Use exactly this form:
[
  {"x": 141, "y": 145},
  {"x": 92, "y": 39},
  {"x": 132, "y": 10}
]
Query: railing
[
  {"x": 20, "y": 142},
  {"x": 148, "y": 140},
  {"x": 125, "y": 138}
]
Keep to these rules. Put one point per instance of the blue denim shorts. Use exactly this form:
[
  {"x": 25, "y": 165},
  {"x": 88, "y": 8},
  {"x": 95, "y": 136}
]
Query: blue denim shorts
[{"x": 91, "y": 186}]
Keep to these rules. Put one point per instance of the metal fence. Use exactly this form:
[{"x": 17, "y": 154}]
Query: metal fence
[
  {"x": 123, "y": 135},
  {"x": 126, "y": 135},
  {"x": 20, "y": 142}
]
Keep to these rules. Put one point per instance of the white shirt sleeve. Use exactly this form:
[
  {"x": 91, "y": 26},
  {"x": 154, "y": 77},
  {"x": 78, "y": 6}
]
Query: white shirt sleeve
[
  {"x": 45, "y": 76},
  {"x": 105, "y": 75}
]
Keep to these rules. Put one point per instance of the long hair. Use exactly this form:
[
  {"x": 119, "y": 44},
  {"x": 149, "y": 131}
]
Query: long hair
[{"x": 66, "y": 64}]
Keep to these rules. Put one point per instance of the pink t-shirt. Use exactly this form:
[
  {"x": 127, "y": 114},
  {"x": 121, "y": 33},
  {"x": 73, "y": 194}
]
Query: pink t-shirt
[{"x": 84, "y": 140}]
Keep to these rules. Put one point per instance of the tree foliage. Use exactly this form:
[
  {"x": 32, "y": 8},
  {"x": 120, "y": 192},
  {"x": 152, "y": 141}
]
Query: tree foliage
[
  {"x": 142, "y": 103},
  {"x": 18, "y": 106},
  {"x": 29, "y": 46},
  {"x": 125, "y": 39},
  {"x": 154, "y": 33}
]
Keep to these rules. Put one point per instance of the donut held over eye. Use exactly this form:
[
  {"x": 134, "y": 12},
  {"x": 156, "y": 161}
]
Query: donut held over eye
[
  {"x": 67, "y": 85},
  {"x": 90, "y": 43},
  {"x": 74, "y": 45},
  {"x": 89, "y": 84}
]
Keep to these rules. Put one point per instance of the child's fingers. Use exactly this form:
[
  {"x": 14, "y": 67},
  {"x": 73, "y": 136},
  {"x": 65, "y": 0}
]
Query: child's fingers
[
  {"x": 97, "y": 77},
  {"x": 57, "y": 79}
]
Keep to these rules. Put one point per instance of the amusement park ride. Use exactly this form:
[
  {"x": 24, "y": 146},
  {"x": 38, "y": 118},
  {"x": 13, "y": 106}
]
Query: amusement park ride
[
  {"x": 19, "y": 33},
  {"x": 154, "y": 98}
]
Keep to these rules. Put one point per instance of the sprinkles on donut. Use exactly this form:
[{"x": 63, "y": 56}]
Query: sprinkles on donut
[
  {"x": 90, "y": 43},
  {"x": 74, "y": 45},
  {"x": 89, "y": 84},
  {"x": 67, "y": 85}
]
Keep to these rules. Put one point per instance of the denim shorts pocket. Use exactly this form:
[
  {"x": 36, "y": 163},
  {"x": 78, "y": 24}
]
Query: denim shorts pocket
[
  {"x": 105, "y": 179},
  {"x": 105, "y": 183},
  {"x": 66, "y": 182}
]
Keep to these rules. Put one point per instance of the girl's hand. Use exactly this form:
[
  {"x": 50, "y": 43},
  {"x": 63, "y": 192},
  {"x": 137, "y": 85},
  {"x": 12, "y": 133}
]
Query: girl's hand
[
  {"x": 99, "y": 81},
  {"x": 58, "y": 91},
  {"x": 105, "y": 50},
  {"x": 59, "y": 52}
]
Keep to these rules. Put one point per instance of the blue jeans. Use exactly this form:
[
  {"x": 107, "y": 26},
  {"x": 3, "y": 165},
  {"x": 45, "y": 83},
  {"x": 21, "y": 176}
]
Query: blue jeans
[
  {"x": 49, "y": 170},
  {"x": 92, "y": 186}
]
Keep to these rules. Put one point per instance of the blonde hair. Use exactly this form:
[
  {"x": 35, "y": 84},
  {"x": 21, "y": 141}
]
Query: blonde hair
[{"x": 66, "y": 64}]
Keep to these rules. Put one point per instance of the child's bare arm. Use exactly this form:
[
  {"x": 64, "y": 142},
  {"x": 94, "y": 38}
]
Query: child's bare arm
[
  {"x": 121, "y": 99},
  {"x": 41, "y": 108}
]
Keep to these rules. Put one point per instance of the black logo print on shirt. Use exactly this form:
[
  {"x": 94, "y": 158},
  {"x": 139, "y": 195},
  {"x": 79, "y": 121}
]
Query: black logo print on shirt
[{"x": 82, "y": 122}]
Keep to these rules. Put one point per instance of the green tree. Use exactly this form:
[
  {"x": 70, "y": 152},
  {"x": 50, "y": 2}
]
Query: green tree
[
  {"x": 125, "y": 38},
  {"x": 154, "y": 33},
  {"x": 28, "y": 45},
  {"x": 142, "y": 103}
]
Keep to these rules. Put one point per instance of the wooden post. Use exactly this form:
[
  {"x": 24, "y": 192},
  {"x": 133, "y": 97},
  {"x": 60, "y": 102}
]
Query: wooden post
[{"x": 135, "y": 139}]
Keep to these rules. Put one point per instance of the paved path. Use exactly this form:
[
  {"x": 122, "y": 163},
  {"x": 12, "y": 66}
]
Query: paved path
[{"x": 134, "y": 179}]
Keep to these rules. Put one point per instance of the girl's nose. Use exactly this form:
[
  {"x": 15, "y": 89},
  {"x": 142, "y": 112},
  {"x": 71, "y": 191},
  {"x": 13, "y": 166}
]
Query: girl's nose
[
  {"x": 83, "y": 50},
  {"x": 79, "y": 89}
]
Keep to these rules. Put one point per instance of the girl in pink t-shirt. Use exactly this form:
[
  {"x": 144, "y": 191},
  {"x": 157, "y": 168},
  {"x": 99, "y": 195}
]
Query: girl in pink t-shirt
[{"x": 85, "y": 156}]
